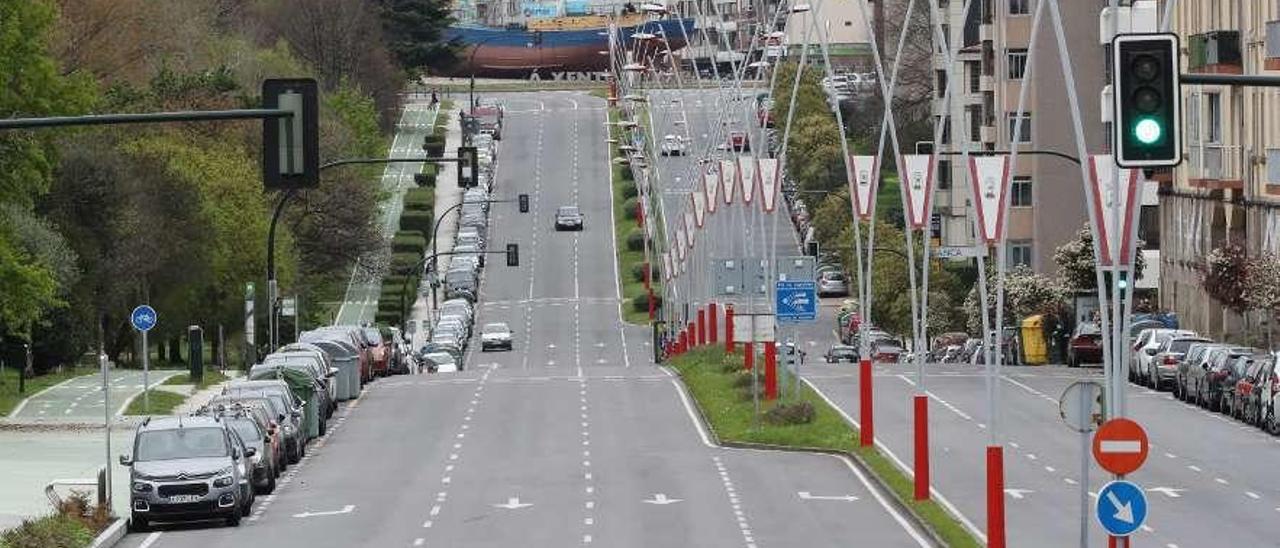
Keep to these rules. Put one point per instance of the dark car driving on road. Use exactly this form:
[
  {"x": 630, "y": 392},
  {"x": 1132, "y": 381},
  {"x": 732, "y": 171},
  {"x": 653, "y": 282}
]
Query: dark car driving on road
[{"x": 569, "y": 218}]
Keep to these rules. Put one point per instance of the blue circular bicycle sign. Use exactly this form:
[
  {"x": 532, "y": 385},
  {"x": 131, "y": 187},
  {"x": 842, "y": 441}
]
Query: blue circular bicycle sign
[{"x": 143, "y": 318}]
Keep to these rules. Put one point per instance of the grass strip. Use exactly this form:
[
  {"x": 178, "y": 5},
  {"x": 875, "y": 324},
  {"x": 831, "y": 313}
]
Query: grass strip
[
  {"x": 210, "y": 378},
  {"x": 628, "y": 260},
  {"x": 162, "y": 402},
  {"x": 9, "y": 396},
  {"x": 710, "y": 375}
]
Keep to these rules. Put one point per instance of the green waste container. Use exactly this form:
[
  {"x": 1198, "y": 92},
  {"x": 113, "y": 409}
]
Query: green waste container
[{"x": 303, "y": 387}]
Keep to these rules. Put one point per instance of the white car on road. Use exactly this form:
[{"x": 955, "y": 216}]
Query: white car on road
[{"x": 673, "y": 145}]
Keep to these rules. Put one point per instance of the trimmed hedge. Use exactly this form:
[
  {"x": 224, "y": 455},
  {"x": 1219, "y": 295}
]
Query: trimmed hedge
[
  {"x": 626, "y": 173},
  {"x": 417, "y": 221},
  {"x": 641, "y": 302},
  {"x": 408, "y": 241},
  {"x": 637, "y": 272},
  {"x": 420, "y": 199},
  {"x": 630, "y": 190},
  {"x": 635, "y": 240}
]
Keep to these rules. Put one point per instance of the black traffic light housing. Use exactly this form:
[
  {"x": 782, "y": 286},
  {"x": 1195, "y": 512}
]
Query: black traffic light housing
[
  {"x": 424, "y": 180},
  {"x": 811, "y": 249},
  {"x": 1147, "y": 122},
  {"x": 523, "y": 199},
  {"x": 513, "y": 254},
  {"x": 468, "y": 167},
  {"x": 291, "y": 146}
]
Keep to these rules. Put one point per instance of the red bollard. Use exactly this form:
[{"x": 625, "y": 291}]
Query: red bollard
[
  {"x": 770, "y": 370},
  {"x": 922, "y": 446},
  {"x": 702, "y": 327},
  {"x": 868, "y": 437},
  {"x": 682, "y": 343},
  {"x": 728, "y": 328},
  {"x": 652, "y": 307},
  {"x": 995, "y": 496},
  {"x": 748, "y": 356},
  {"x": 693, "y": 335},
  {"x": 712, "y": 311}
]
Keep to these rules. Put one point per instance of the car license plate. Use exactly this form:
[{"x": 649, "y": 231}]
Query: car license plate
[{"x": 184, "y": 498}]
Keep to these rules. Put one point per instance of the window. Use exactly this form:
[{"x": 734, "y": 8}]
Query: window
[
  {"x": 1019, "y": 253},
  {"x": 942, "y": 83},
  {"x": 1213, "y": 118},
  {"x": 1273, "y": 166},
  {"x": 1021, "y": 192},
  {"x": 975, "y": 76},
  {"x": 1019, "y": 7},
  {"x": 1023, "y": 129},
  {"x": 944, "y": 174},
  {"x": 974, "y": 114},
  {"x": 1017, "y": 59}
]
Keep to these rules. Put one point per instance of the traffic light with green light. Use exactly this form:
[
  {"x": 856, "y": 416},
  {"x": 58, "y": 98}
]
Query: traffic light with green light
[{"x": 1147, "y": 126}]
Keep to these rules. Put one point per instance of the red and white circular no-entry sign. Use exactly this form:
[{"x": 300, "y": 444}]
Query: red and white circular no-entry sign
[{"x": 1120, "y": 446}]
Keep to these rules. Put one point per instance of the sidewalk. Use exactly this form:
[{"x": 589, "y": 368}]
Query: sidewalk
[{"x": 447, "y": 195}]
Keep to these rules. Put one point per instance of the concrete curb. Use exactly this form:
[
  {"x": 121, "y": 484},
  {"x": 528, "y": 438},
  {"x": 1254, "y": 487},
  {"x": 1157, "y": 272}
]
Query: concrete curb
[
  {"x": 885, "y": 490},
  {"x": 112, "y": 535}
]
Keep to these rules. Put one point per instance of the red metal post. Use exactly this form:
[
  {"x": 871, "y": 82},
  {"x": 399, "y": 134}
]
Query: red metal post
[
  {"x": 728, "y": 328},
  {"x": 702, "y": 327},
  {"x": 653, "y": 308},
  {"x": 922, "y": 446},
  {"x": 995, "y": 496},
  {"x": 693, "y": 334},
  {"x": 868, "y": 437},
  {"x": 748, "y": 356},
  {"x": 712, "y": 312},
  {"x": 770, "y": 370}
]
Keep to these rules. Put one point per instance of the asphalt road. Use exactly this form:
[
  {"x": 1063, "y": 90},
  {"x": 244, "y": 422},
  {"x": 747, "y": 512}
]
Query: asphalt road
[
  {"x": 360, "y": 302},
  {"x": 572, "y": 439}
]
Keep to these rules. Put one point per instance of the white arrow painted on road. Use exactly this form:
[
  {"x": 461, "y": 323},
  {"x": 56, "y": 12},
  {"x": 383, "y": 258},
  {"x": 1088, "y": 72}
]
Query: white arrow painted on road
[
  {"x": 345, "y": 510},
  {"x": 1124, "y": 512},
  {"x": 806, "y": 496},
  {"x": 1018, "y": 493},
  {"x": 513, "y": 503},
  {"x": 1170, "y": 492},
  {"x": 661, "y": 499}
]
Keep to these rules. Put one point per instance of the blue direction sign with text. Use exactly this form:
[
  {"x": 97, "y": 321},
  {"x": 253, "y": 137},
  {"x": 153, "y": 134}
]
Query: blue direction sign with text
[
  {"x": 143, "y": 318},
  {"x": 797, "y": 301},
  {"x": 1121, "y": 507}
]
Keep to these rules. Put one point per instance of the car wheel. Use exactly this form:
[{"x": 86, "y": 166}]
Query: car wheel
[
  {"x": 248, "y": 507},
  {"x": 138, "y": 524},
  {"x": 233, "y": 519},
  {"x": 271, "y": 482}
]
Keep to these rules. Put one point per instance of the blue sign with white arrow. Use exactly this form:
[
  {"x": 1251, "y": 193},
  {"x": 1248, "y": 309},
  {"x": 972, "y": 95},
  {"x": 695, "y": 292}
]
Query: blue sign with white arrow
[
  {"x": 797, "y": 301},
  {"x": 143, "y": 318},
  {"x": 1121, "y": 507}
]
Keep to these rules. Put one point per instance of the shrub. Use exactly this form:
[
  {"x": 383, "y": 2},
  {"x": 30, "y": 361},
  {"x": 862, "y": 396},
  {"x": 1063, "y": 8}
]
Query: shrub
[
  {"x": 419, "y": 199},
  {"x": 417, "y": 221},
  {"x": 742, "y": 378},
  {"x": 635, "y": 240},
  {"x": 637, "y": 272},
  {"x": 408, "y": 242},
  {"x": 629, "y": 207},
  {"x": 387, "y": 318},
  {"x": 630, "y": 190},
  {"x": 641, "y": 302},
  {"x": 785, "y": 414},
  {"x": 626, "y": 174}
]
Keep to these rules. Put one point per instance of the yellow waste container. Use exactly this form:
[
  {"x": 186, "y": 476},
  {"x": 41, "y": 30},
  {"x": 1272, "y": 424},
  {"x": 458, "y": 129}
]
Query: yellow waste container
[{"x": 1034, "y": 350}]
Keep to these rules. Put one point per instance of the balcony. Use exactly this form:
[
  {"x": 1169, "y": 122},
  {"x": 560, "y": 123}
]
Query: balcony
[
  {"x": 1214, "y": 167},
  {"x": 1216, "y": 52},
  {"x": 1272, "y": 61}
]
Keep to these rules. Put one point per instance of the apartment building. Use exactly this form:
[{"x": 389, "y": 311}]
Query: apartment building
[
  {"x": 1228, "y": 186},
  {"x": 1047, "y": 199}
]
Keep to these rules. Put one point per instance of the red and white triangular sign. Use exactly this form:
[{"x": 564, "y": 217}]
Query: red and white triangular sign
[
  {"x": 918, "y": 191},
  {"x": 862, "y": 188},
  {"x": 711, "y": 184},
  {"x": 728, "y": 179},
  {"x": 989, "y": 181},
  {"x": 747, "y": 178},
  {"x": 1108, "y": 201},
  {"x": 770, "y": 182},
  {"x": 699, "y": 206},
  {"x": 666, "y": 265},
  {"x": 690, "y": 226},
  {"x": 680, "y": 243}
]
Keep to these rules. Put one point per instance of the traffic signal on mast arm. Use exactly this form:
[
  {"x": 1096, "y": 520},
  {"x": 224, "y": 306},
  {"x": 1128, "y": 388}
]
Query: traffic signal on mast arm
[{"x": 1147, "y": 126}]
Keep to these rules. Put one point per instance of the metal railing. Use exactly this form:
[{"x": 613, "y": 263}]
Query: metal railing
[{"x": 99, "y": 486}]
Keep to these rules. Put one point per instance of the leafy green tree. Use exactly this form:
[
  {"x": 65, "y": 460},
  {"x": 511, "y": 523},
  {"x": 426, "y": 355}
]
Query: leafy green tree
[
  {"x": 1026, "y": 293},
  {"x": 414, "y": 32},
  {"x": 1076, "y": 264}
]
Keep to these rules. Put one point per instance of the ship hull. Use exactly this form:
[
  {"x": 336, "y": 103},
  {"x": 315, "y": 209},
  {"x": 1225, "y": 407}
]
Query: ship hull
[{"x": 509, "y": 53}]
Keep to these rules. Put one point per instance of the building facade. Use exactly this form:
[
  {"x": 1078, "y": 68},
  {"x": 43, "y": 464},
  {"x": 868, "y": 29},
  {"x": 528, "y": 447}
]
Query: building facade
[
  {"x": 1047, "y": 197},
  {"x": 1228, "y": 187}
]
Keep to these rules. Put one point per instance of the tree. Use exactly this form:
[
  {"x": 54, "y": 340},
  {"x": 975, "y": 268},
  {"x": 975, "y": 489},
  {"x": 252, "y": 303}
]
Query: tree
[
  {"x": 1026, "y": 293},
  {"x": 1223, "y": 275},
  {"x": 1077, "y": 269},
  {"x": 1261, "y": 285},
  {"x": 415, "y": 34}
]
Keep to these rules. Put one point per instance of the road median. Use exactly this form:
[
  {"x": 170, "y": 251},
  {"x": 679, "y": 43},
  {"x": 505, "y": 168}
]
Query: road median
[
  {"x": 628, "y": 233},
  {"x": 721, "y": 390}
]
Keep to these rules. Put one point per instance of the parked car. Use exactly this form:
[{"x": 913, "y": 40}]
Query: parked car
[
  {"x": 1195, "y": 357},
  {"x": 1243, "y": 399},
  {"x": 460, "y": 284},
  {"x": 833, "y": 283},
  {"x": 441, "y": 362},
  {"x": 490, "y": 119},
  {"x": 279, "y": 388},
  {"x": 841, "y": 353},
  {"x": 886, "y": 351},
  {"x": 1085, "y": 345},
  {"x": 1162, "y": 369},
  {"x": 1144, "y": 348},
  {"x": 495, "y": 335},
  {"x": 186, "y": 468},
  {"x": 1268, "y": 388},
  {"x": 262, "y": 460},
  {"x": 569, "y": 218},
  {"x": 1206, "y": 382},
  {"x": 326, "y": 388},
  {"x": 673, "y": 145},
  {"x": 284, "y": 413}
]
